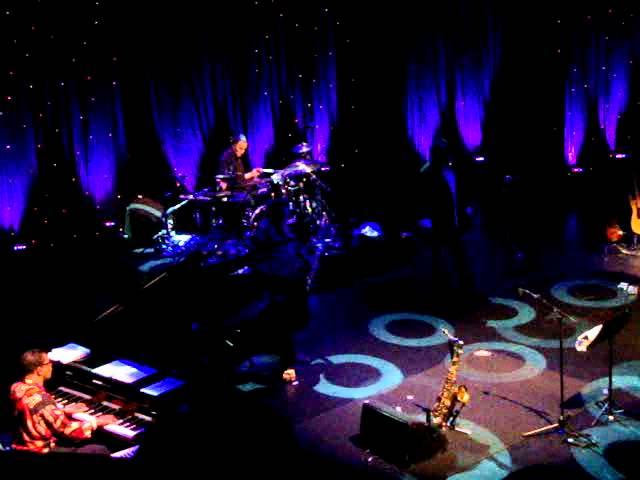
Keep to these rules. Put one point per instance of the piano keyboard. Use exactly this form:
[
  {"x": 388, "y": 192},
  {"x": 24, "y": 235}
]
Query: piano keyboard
[{"x": 127, "y": 427}]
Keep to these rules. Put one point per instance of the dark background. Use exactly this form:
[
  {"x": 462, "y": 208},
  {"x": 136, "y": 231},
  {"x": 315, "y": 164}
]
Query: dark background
[{"x": 74, "y": 268}]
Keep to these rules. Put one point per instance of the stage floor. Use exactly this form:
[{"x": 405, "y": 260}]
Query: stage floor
[{"x": 372, "y": 333}]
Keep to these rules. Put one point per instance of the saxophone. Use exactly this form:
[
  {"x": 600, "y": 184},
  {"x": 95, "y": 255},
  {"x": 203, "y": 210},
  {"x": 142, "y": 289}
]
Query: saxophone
[{"x": 442, "y": 413}]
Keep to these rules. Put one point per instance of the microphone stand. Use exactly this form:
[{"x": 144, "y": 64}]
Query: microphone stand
[{"x": 561, "y": 426}]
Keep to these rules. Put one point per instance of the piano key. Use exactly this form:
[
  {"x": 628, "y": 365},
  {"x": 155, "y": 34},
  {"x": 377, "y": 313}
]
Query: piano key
[
  {"x": 73, "y": 393},
  {"x": 121, "y": 431},
  {"x": 129, "y": 424}
]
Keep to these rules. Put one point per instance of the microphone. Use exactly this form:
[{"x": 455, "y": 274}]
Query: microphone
[{"x": 523, "y": 291}]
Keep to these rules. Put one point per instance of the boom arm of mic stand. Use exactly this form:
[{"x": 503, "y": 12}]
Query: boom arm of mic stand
[{"x": 556, "y": 310}]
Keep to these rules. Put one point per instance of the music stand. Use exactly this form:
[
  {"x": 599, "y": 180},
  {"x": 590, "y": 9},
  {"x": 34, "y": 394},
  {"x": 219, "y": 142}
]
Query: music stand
[
  {"x": 605, "y": 332},
  {"x": 561, "y": 426}
]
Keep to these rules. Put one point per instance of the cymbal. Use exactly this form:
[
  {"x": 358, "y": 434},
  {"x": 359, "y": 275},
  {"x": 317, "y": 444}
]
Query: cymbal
[
  {"x": 306, "y": 166},
  {"x": 303, "y": 147},
  {"x": 299, "y": 166},
  {"x": 225, "y": 178}
]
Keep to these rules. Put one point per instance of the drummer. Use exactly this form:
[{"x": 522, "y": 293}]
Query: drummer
[{"x": 234, "y": 164}]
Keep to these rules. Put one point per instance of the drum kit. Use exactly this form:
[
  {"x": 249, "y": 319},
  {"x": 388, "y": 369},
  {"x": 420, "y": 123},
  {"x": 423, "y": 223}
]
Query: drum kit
[{"x": 293, "y": 198}]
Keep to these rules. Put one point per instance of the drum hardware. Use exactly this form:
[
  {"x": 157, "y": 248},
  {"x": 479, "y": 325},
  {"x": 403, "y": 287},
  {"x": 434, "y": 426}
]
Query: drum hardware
[{"x": 292, "y": 196}]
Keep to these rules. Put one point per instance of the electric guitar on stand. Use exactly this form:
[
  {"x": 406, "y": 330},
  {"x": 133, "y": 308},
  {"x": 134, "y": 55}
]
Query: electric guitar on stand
[{"x": 634, "y": 202}]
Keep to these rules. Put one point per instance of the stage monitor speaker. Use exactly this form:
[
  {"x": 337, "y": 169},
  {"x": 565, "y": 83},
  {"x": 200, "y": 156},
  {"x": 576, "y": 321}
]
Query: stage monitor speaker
[{"x": 397, "y": 438}]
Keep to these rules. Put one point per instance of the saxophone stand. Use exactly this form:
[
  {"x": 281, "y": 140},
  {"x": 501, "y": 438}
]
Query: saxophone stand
[
  {"x": 451, "y": 423},
  {"x": 562, "y": 426}
]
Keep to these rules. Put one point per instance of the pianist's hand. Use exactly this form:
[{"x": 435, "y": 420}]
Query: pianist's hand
[
  {"x": 75, "y": 408},
  {"x": 106, "y": 420}
]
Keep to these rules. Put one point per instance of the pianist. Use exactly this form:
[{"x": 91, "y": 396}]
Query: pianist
[{"x": 45, "y": 426}]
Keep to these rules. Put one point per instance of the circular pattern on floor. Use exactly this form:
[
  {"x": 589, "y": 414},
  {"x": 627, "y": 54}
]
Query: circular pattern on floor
[
  {"x": 525, "y": 313},
  {"x": 593, "y": 460},
  {"x": 390, "y": 377},
  {"x": 534, "y": 363},
  {"x": 496, "y": 466},
  {"x": 378, "y": 328},
  {"x": 562, "y": 293}
]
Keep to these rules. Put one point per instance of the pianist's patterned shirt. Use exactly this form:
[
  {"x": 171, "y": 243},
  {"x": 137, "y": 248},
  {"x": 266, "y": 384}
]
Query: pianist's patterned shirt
[{"x": 42, "y": 421}]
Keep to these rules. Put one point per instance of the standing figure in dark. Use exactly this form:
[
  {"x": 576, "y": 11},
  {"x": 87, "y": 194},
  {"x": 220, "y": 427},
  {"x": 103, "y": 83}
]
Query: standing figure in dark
[
  {"x": 283, "y": 267},
  {"x": 451, "y": 263}
]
